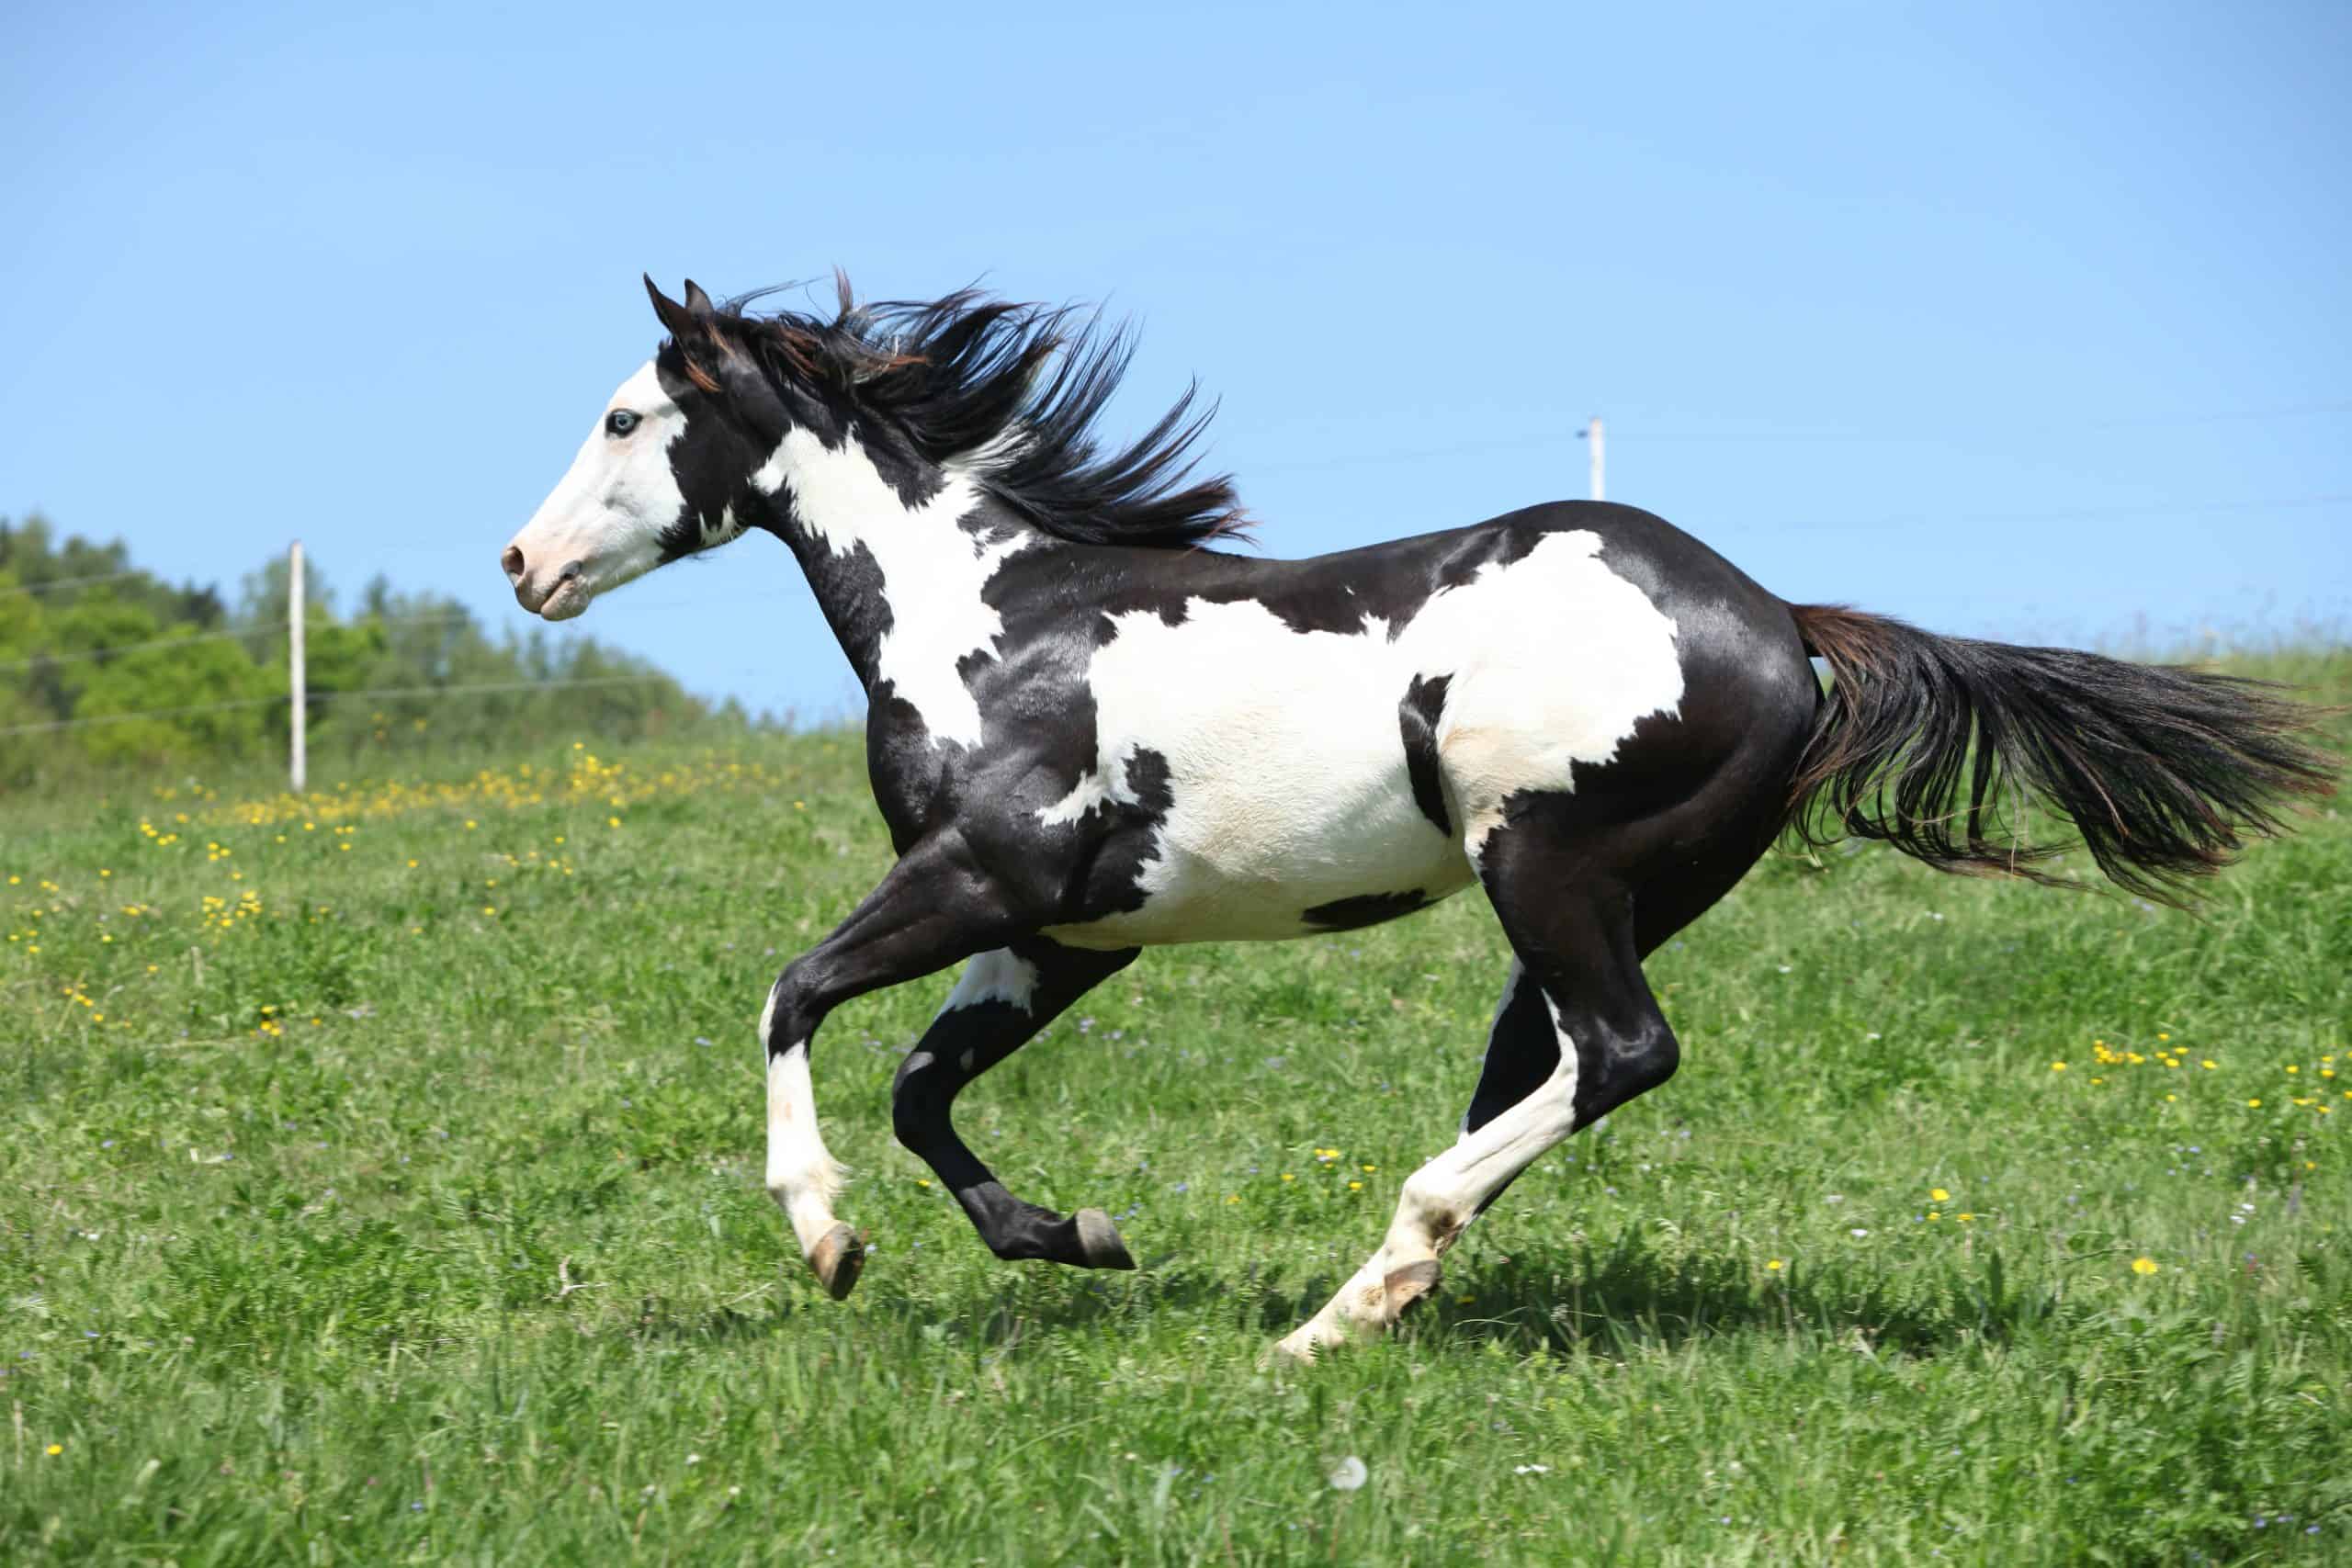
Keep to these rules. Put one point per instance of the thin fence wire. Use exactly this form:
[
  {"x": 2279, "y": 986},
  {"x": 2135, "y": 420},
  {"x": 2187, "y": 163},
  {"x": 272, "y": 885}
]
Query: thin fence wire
[
  {"x": 228, "y": 703},
  {"x": 224, "y": 633},
  {"x": 54, "y": 583}
]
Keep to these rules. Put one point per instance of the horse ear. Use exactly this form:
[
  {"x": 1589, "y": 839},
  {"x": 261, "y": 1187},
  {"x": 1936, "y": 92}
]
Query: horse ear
[
  {"x": 683, "y": 321},
  {"x": 697, "y": 300}
]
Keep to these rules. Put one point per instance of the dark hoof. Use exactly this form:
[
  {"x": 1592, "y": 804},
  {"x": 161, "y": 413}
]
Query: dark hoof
[
  {"x": 1098, "y": 1241},
  {"x": 1405, "y": 1286},
  {"x": 837, "y": 1259}
]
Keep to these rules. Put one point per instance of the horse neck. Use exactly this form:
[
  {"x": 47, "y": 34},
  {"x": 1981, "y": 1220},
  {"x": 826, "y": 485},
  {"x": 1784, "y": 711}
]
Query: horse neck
[{"x": 902, "y": 552}]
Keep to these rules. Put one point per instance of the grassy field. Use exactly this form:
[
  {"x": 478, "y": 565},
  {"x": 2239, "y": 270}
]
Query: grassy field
[{"x": 381, "y": 1184}]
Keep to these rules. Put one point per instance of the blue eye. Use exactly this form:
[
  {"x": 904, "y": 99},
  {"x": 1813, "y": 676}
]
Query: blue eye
[{"x": 620, "y": 421}]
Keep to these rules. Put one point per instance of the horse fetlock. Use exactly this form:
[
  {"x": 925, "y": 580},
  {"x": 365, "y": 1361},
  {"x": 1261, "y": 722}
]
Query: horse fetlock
[{"x": 1427, "y": 1218}]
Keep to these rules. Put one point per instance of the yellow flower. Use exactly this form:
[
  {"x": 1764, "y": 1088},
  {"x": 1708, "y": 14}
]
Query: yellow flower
[
  {"x": 2254, "y": 1104},
  {"x": 1233, "y": 1197},
  {"x": 2163, "y": 1036},
  {"x": 2206, "y": 1064},
  {"x": 2143, "y": 1266},
  {"x": 2057, "y": 1066},
  {"x": 1773, "y": 1266},
  {"x": 1288, "y": 1176},
  {"x": 1938, "y": 1194},
  {"x": 922, "y": 1181},
  {"x": 1355, "y": 1186},
  {"x": 55, "y": 1448},
  {"x": 1369, "y": 1168},
  {"x": 1964, "y": 1219}
]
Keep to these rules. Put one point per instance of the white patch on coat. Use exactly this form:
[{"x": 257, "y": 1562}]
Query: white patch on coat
[
  {"x": 1441, "y": 1199},
  {"x": 802, "y": 1175},
  {"x": 933, "y": 571},
  {"x": 1285, "y": 760},
  {"x": 610, "y": 509},
  {"x": 1555, "y": 659},
  {"x": 1000, "y": 975}
]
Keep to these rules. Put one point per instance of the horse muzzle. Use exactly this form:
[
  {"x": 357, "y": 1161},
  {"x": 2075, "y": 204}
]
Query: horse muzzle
[{"x": 556, "y": 595}]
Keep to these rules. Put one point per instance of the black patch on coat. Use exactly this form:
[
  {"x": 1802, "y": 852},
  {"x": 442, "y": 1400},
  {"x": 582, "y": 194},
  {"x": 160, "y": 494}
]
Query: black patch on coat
[
  {"x": 1114, "y": 873},
  {"x": 1416, "y": 718},
  {"x": 1522, "y": 1051},
  {"x": 1365, "y": 910}
]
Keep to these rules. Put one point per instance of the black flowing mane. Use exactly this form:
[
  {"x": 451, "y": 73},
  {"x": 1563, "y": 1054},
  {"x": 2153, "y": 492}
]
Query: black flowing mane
[{"x": 1008, "y": 392}]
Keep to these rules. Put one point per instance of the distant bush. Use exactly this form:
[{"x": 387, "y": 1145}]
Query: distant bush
[{"x": 104, "y": 666}]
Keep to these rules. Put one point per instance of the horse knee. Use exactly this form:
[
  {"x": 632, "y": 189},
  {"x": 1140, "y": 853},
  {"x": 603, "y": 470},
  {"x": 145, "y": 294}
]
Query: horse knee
[
  {"x": 1628, "y": 1065},
  {"x": 1653, "y": 1056},
  {"x": 790, "y": 1016}
]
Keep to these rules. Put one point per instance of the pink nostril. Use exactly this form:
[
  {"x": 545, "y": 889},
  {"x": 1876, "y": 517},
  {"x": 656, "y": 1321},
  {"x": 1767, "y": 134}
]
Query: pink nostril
[{"x": 512, "y": 563}]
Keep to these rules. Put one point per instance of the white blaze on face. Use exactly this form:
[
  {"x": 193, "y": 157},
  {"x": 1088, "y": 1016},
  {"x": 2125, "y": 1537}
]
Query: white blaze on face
[{"x": 603, "y": 524}]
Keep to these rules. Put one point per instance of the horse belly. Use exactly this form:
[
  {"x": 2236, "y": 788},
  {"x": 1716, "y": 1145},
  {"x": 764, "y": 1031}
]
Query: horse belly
[
  {"x": 1289, "y": 808},
  {"x": 1350, "y": 849}
]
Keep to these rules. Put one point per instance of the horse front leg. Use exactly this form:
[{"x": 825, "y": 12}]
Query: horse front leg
[
  {"x": 1004, "y": 998},
  {"x": 935, "y": 907}
]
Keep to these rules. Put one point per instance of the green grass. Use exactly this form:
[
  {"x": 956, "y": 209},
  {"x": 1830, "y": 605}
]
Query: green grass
[{"x": 417, "y": 1219}]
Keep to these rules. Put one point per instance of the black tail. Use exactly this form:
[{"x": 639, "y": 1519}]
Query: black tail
[{"x": 2165, "y": 771}]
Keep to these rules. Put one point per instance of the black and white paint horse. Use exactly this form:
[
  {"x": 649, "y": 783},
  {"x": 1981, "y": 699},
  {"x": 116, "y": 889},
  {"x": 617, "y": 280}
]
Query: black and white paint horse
[{"x": 1091, "y": 733}]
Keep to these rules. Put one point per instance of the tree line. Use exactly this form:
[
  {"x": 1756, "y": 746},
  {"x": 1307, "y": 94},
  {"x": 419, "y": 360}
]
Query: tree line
[{"x": 103, "y": 664}]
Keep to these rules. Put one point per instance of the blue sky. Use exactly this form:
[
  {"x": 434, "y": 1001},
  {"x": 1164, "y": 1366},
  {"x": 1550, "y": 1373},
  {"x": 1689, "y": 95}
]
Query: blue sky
[{"x": 2027, "y": 322}]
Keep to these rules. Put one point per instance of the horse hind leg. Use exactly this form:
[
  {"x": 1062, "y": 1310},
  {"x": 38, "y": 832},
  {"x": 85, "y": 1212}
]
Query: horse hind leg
[
  {"x": 1522, "y": 1057},
  {"x": 1577, "y": 1033}
]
